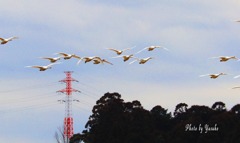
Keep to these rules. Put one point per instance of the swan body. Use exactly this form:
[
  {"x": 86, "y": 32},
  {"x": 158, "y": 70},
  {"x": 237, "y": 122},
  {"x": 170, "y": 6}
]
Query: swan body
[
  {"x": 43, "y": 68},
  {"x": 141, "y": 61},
  {"x": 125, "y": 57},
  {"x": 119, "y": 52},
  {"x": 225, "y": 58},
  {"x": 213, "y": 76},
  {"x": 151, "y": 48},
  {"x": 4, "y": 41},
  {"x": 88, "y": 59},
  {"x": 102, "y": 61},
  {"x": 52, "y": 60},
  {"x": 68, "y": 56}
]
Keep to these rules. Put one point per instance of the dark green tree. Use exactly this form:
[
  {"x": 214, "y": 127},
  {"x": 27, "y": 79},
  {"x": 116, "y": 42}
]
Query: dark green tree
[
  {"x": 180, "y": 109},
  {"x": 236, "y": 109},
  {"x": 219, "y": 106},
  {"x": 114, "y": 121}
]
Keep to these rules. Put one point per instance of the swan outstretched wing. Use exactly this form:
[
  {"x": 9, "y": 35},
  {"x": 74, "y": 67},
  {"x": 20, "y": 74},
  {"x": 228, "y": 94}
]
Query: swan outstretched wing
[
  {"x": 47, "y": 58},
  {"x": 141, "y": 50},
  {"x": 236, "y": 76},
  {"x": 126, "y": 49},
  {"x": 63, "y": 54},
  {"x": 11, "y": 38},
  {"x": 204, "y": 75},
  {"x": 166, "y": 49},
  {"x": 120, "y": 56},
  {"x": 213, "y": 57},
  {"x": 113, "y": 49},
  {"x": 96, "y": 57},
  {"x": 133, "y": 62},
  {"x": 75, "y": 56},
  {"x": 79, "y": 61},
  {"x": 33, "y": 66},
  {"x": 123, "y": 56},
  {"x": 129, "y": 48},
  {"x": 107, "y": 62}
]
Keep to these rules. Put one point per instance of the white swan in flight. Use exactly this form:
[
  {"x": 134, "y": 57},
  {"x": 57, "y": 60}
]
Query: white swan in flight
[
  {"x": 213, "y": 76},
  {"x": 68, "y": 56},
  {"x": 141, "y": 61},
  {"x": 101, "y": 61},
  {"x": 4, "y": 41},
  {"x": 225, "y": 58},
  {"x": 119, "y": 52},
  {"x": 125, "y": 57},
  {"x": 151, "y": 48},
  {"x": 88, "y": 59},
  {"x": 52, "y": 60},
  {"x": 43, "y": 68}
]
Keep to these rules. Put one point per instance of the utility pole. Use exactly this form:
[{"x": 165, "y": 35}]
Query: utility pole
[{"x": 68, "y": 120}]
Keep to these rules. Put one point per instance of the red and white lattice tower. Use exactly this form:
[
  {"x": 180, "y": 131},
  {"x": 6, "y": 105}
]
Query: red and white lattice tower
[{"x": 68, "y": 120}]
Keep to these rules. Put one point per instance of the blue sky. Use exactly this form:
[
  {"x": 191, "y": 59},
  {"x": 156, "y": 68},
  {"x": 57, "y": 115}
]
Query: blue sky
[{"x": 192, "y": 31}]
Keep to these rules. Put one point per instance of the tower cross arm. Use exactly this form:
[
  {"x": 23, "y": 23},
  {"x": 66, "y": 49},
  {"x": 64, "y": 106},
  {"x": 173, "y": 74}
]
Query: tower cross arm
[
  {"x": 68, "y": 79},
  {"x": 62, "y": 91},
  {"x": 69, "y": 90},
  {"x": 72, "y": 79},
  {"x": 74, "y": 90}
]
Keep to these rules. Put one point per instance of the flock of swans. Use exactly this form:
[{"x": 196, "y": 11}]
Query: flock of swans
[
  {"x": 140, "y": 60},
  {"x": 99, "y": 60},
  {"x": 222, "y": 59},
  {"x": 94, "y": 59},
  {"x": 65, "y": 56}
]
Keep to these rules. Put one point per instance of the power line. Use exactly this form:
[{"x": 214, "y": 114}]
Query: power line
[
  {"x": 28, "y": 88},
  {"x": 38, "y": 106},
  {"x": 28, "y": 99}
]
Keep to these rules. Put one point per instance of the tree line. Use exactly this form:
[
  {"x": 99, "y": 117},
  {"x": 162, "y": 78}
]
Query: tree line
[{"x": 116, "y": 121}]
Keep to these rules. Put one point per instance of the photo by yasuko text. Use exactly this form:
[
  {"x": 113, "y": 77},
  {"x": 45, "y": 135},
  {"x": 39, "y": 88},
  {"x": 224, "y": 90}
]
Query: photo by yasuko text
[{"x": 202, "y": 128}]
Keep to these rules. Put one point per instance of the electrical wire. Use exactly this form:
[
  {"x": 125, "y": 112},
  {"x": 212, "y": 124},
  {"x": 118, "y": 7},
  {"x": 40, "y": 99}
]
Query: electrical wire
[
  {"x": 38, "y": 97},
  {"x": 30, "y": 102},
  {"x": 28, "y": 88},
  {"x": 39, "y": 106}
]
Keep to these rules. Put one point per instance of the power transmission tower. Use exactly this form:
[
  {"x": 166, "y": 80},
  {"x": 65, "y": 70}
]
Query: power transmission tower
[{"x": 68, "y": 120}]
